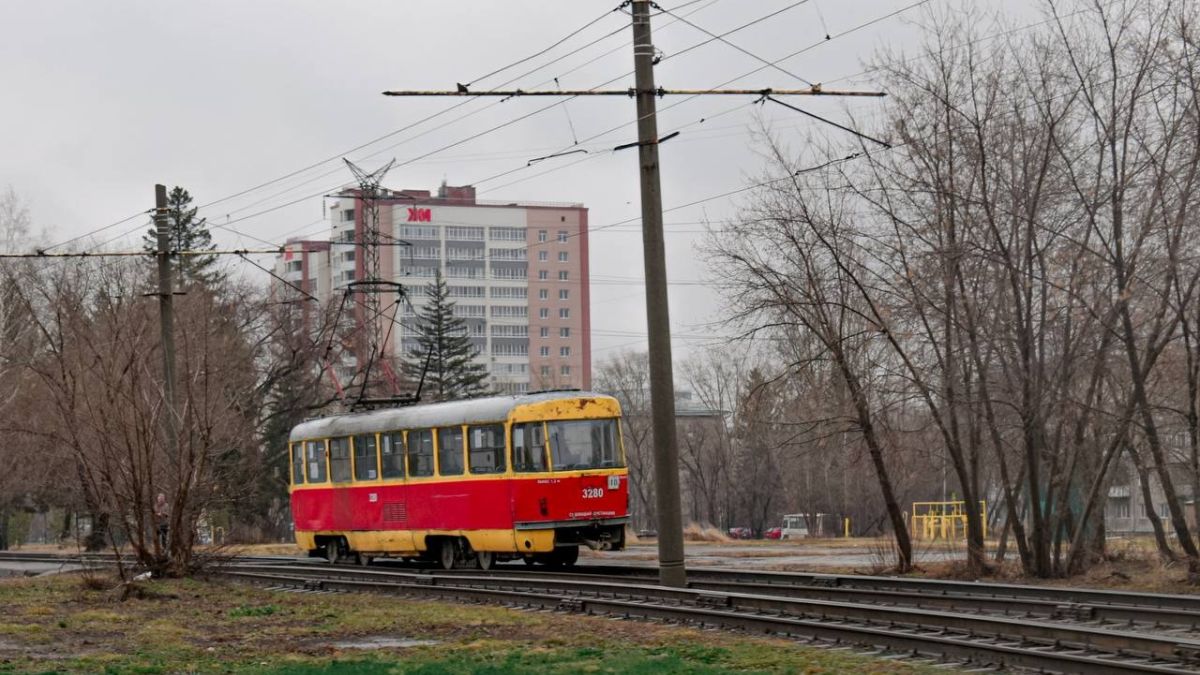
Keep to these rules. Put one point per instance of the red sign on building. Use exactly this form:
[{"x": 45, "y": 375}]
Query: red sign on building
[{"x": 419, "y": 215}]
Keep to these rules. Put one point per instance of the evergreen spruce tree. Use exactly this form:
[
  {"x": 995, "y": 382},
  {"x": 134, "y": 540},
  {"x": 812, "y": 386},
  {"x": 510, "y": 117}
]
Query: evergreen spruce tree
[
  {"x": 187, "y": 234},
  {"x": 442, "y": 339}
]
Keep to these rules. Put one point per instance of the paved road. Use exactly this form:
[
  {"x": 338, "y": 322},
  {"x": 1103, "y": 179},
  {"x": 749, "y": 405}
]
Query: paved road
[
  {"x": 13, "y": 568},
  {"x": 772, "y": 556}
]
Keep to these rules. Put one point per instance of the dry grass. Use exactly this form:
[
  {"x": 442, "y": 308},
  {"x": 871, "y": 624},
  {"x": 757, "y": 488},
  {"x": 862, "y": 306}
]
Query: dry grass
[{"x": 707, "y": 533}]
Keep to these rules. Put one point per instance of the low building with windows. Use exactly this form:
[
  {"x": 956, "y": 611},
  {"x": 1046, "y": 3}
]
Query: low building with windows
[{"x": 517, "y": 273}]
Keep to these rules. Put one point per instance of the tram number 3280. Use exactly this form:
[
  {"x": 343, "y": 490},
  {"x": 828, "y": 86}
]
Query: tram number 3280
[{"x": 593, "y": 492}]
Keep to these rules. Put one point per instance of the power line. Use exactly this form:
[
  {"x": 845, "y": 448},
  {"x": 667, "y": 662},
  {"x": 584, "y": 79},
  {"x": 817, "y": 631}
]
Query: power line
[
  {"x": 752, "y": 72},
  {"x": 390, "y": 134},
  {"x": 695, "y": 46},
  {"x": 740, "y": 49},
  {"x": 543, "y": 51},
  {"x": 100, "y": 229}
]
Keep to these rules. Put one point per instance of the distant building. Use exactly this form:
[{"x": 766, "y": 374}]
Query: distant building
[{"x": 517, "y": 273}]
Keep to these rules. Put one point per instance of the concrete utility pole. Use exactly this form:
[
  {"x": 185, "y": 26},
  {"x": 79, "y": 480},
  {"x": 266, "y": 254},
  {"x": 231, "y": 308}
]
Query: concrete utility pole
[
  {"x": 166, "y": 316},
  {"x": 671, "y": 570},
  {"x": 662, "y": 386}
]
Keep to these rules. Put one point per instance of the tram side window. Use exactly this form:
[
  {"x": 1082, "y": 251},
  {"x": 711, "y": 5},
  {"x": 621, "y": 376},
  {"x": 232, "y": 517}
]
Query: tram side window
[
  {"x": 584, "y": 444},
  {"x": 393, "y": 454},
  {"x": 339, "y": 459},
  {"x": 314, "y": 452},
  {"x": 365, "y": 458},
  {"x": 529, "y": 447},
  {"x": 485, "y": 447},
  {"x": 420, "y": 453},
  {"x": 450, "y": 451},
  {"x": 297, "y": 463}
]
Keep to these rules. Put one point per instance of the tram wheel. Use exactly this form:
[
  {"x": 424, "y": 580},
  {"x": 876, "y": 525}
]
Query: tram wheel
[
  {"x": 331, "y": 551},
  {"x": 363, "y": 559},
  {"x": 448, "y": 554},
  {"x": 485, "y": 560},
  {"x": 529, "y": 560}
]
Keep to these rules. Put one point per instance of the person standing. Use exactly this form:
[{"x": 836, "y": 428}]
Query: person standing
[{"x": 162, "y": 520}]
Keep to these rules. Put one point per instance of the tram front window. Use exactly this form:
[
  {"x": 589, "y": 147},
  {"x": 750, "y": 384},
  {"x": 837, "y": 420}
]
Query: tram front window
[{"x": 585, "y": 444}]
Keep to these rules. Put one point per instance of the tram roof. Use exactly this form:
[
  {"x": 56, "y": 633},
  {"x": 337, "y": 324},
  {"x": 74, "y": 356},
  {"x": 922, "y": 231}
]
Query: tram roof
[{"x": 468, "y": 411}]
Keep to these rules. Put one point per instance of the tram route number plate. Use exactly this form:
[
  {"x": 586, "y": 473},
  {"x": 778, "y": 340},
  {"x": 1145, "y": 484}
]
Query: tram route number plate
[{"x": 614, "y": 482}]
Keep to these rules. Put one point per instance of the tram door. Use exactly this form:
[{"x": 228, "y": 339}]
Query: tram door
[
  {"x": 339, "y": 472},
  {"x": 528, "y": 498}
]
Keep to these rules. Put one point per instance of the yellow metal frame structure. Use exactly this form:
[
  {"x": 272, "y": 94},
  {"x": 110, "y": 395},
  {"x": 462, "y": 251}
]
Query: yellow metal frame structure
[{"x": 943, "y": 520}]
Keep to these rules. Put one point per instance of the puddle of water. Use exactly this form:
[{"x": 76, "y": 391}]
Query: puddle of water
[{"x": 383, "y": 643}]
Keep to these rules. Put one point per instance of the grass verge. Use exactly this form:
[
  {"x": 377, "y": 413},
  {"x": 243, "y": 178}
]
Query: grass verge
[{"x": 58, "y": 624}]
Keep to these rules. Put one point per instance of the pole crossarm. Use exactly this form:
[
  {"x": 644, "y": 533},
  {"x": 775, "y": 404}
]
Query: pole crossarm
[{"x": 631, "y": 92}]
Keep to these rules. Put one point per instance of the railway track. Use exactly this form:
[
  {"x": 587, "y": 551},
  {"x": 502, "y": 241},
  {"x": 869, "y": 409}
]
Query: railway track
[
  {"x": 984, "y": 625},
  {"x": 1176, "y": 615},
  {"x": 963, "y": 635}
]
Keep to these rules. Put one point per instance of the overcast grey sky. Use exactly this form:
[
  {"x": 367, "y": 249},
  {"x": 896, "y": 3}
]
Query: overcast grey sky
[{"x": 104, "y": 99}]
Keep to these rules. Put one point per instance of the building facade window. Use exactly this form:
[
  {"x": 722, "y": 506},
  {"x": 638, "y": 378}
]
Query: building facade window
[
  {"x": 545, "y": 371},
  {"x": 506, "y": 254},
  {"x": 419, "y": 232},
  {"x": 543, "y": 256},
  {"x": 565, "y": 370},
  {"x": 543, "y": 275},
  {"x": 509, "y": 272},
  {"x": 563, "y": 294},
  {"x": 469, "y": 311},
  {"x": 506, "y": 349},
  {"x": 466, "y": 291},
  {"x": 542, "y": 235},
  {"x": 510, "y": 331},
  {"x": 509, "y": 311},
  {"x": 506, "y": 233},
  {"x": 464, "y": 272},
  {"x": 562, "y": 256},
  {"x": 562, "y": 236},
  {"x": 459, "y": 233},
  {"x": 544, "y": 331},
  {"x": 543, "y": 293},
  {"x": 510, "y": 292},
  {"x": 562, "y": 275},
  {"x": 564, "y": 313},
  {"x": 564, "y": 351},
  {"x": 454, "y": 253},
  {"x": 544, "y": 313},
  {"x": 564, "y": 332},
  {"x": 543, "y": 351}
]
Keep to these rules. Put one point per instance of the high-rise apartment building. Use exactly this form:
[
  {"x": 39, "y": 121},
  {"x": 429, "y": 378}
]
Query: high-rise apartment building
[{"x": 517, "y": 273}]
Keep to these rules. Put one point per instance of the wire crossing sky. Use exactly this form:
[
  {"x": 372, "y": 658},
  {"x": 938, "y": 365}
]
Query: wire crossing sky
[{"x": 251, "y": 109}]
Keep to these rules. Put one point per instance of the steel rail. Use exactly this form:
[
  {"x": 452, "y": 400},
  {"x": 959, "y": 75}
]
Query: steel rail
[
  {"x": 667, "y": 604},
  {"x": 1105, "y": 639},
  {"x": 928, "y": 587},
  {"x": 1155, "y": 618}
]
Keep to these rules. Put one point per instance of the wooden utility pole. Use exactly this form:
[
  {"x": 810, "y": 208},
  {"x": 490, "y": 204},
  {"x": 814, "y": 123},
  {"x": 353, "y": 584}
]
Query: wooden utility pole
[{"x": 671, "y": 570}]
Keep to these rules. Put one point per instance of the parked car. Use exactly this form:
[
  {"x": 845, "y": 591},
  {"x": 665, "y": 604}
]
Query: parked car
[
  {"x": 774, "y": 533},
  {"x": 740, "y": 533}
]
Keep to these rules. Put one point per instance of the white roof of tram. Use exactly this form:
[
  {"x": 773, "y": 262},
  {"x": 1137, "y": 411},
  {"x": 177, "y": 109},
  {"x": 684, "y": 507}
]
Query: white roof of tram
[{"x": 450, "y": 413}]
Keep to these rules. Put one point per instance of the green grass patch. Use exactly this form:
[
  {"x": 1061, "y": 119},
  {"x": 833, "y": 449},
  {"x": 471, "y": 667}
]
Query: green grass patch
[{"x": 247, "y": 610}]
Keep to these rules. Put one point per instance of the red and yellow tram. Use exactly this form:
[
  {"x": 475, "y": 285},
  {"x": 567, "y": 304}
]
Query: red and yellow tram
[{"x": 464, "y": 482}]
